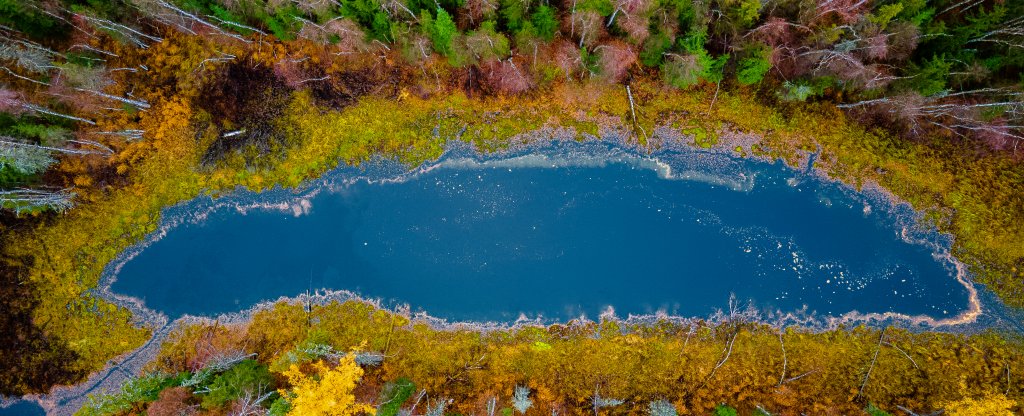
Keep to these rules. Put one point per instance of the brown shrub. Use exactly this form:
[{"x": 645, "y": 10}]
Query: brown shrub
[{"x": 174, "y": 401}]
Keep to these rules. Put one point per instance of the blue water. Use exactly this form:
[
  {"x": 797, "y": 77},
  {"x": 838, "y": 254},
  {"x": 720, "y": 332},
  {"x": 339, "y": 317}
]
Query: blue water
[
  {"x": 22, "y": 408},
  {"x": 472, "y": 240}
]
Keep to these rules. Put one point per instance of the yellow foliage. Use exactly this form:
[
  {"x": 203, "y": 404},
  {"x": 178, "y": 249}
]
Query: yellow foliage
[
  {"x": 328, "y": 392},
  {"x": 991, "y": 405}
]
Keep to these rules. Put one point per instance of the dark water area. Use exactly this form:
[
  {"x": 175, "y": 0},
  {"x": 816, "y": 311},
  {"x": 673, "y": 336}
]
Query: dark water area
[
  {"x": 22, "y": 408},
  {"x": 559, "y": 233}
]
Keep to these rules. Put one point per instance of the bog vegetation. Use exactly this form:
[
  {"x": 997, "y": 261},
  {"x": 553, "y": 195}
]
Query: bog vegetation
[
  {"x": 352, "y": 358},
  {"x": 113, "y": 109}
]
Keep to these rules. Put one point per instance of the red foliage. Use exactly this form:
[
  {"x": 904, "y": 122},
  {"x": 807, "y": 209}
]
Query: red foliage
[
  {"x": 566, "y": 56},
  {"x": 903, "y": 40},
  {"x": 876, "y": 47},
  {"x": 317, "y": 7},
  {"x": 347, "y": 33},
  {"x": 776, "y": 31},
  {"x": 615, "y": 59},
  {"x": 506, "y": 77},
  {"x": 173, "y": 401},
  {"x": 11, "y": 101},
  {"x": 478, "y": 10},
  {"x": 843, "y": 11},
  {"x": 585, "y": 26},
  {"x": 998, "y": 136},
  {"x": 290, "y": 70},
  {"x": 634, "y": 26}
]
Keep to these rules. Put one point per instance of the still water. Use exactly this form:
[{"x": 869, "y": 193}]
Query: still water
[{"x": 558, "y": 232}]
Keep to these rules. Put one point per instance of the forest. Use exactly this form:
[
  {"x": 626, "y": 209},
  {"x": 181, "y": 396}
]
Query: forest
[{"x": 111, "y": 110}]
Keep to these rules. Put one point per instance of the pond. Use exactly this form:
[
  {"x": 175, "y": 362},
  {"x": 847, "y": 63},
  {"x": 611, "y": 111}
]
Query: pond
[{"x": 555, "y": 231}]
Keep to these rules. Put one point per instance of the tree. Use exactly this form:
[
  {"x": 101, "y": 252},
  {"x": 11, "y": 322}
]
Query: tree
[
  {"x": 173, "y": 401},
  {"x": 25, "y": 17},
  {"x": 654, "y": 49},
  {"x": 755, "y": 65},
  {"x": 248, "y": 376},
  {"x": 661, "y": 408},
  {"x": 545, "y": 22},
  {"x": 326, "y": 392},
  {"x": 514, "y": 14},
  {"x": 521, "y": 399},
  {"x": 486, "y": 44},
  {"x": 442, "y": 31},
  {"x": 505, "y": 76},
  {"x": 615, "y": 58},
  {"x": 27, "y": 159}
]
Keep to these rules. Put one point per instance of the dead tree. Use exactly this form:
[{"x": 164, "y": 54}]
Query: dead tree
[
  {"x": 126, "y": 33},
  {"x": 21, "y": 200},
  {"x": 964, "y": 114}
]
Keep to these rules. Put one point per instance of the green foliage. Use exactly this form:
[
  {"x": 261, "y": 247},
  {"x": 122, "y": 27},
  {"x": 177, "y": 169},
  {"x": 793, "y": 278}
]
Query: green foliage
[
  {"x": 545, "y": 21},
  {"x": 748, "y": 12},
  {"x": 929, "y": 78},
  {"x": 724, "y": 410},
  {"x": 683, "y": 11},
  {"x": 394, "y": 395},
  {"x": 226, "y": 15},
  {"x": 283, "y": 23},
  {"x": 487, "y": 43},
  {"x": 20, "y": 15},
  {"x": 10, "y": 176},
  {"x": 247, "y": 376},
  {"x": 681, "y": 71},
  {"x": 874, "y": 411},
  {"x": 916, "y": 12},
  {"x": 442, "y": 31},
  {"x": 35, "y": 129},
  {"x": 280, "y": 407},
  {"x": 137, "y": 390},
  {"x": 513, "y": 14},
  {"x": 21, "y": 162},
  {"x": 654, "y": 48},
  {"x": 801, "y": 90},
  {"x": 696, "y": 66},
  {"x": 602, "y": 7},
  {"x": 884, "y": 14},
  {"x": 589, "y": 59},
  {"x": 755, "y": 65},
  {"x": 116, "y": 10},
  {"x": 370, "y": 16}
]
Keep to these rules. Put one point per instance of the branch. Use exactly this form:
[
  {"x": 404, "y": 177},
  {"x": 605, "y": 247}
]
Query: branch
[{"x": 874, "y": 359}]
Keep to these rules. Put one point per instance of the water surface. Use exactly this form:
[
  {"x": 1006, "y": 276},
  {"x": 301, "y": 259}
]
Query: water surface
[{"x": 558, "y": 232}]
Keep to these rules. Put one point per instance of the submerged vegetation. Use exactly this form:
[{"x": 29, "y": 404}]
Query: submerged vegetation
[{"x": 115, "y": 109}]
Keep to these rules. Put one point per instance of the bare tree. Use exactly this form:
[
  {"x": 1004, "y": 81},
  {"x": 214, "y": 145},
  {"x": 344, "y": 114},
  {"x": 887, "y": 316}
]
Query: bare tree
[
  {"x": 21, "y": 200},
  {"x": 521, "y": 399},
  {"x": 125, "y": 33},
  {"x": 1010, "y": 34},
  {"x": 599, "y": 402},
  {"x": 251, "y": 402},
  {"x": 171, "y": 15},
  {"x": 964, "y": 114}
]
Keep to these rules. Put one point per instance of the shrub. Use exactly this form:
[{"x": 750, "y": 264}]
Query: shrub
[
  {"x": 248, "y": 376},
  {"x": 394, "y": 395}
]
